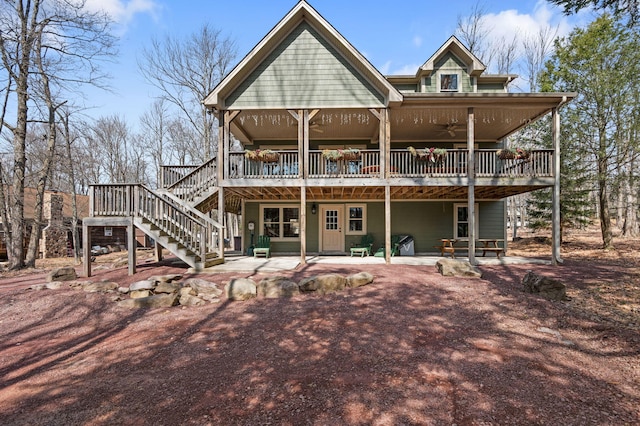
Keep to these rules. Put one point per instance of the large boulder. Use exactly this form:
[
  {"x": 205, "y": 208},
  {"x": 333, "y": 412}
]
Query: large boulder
[
  {"x": 275, "y": 287},
  {"x": 99, "y": 287},
  {"x": 187, "y": 299},
  {"x": 203, "y": 287},
  {"x": 143, "y": 285},
  {"x": 457, "y": 268},
  {"x": 323, "y": 284},
  {"x": 241, "y": 289},
  {"x": 359, "y": 279},
  {"x": 544, "y": 286},
  {"x": 167, "y": 287},
  {"x": 62, "y": 274},
  {"x": 157, "y": 301}
]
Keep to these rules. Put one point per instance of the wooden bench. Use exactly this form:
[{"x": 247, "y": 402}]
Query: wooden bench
[{"x": 497, "y": 250}]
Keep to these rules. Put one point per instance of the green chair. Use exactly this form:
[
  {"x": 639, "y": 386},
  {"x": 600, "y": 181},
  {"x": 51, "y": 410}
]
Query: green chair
[
  {"x": 365, "y": 246},
  {"x": 395, "y": 247},
  {"x": 263, "y": 246}
]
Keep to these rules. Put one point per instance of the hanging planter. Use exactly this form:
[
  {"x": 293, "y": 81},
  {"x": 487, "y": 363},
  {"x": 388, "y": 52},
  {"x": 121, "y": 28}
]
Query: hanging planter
[
  {"x": 348, "y": 154},
  {"x": 433, "y": 155},
  {"x": 264, "y": 155},
  {"x": 514, "y": 154}
]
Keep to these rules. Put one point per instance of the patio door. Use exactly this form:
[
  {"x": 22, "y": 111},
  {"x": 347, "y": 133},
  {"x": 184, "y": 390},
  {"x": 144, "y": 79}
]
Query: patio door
[{"x": 331, "y": 224}]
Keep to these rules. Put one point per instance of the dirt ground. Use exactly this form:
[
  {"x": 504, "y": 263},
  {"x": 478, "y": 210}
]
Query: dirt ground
[{"x": 412, "y": 348}]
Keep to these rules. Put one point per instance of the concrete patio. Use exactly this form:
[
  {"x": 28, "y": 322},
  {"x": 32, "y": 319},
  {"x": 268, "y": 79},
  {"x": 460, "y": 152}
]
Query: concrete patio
[{"x": 235, "y": 262}]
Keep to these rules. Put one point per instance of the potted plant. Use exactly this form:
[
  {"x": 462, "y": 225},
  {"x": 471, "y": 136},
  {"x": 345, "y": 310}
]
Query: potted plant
[
  {"x": 264, "y": 155},
  {"x": 347, "y": 154},
  {"x": 434, "y": 155},
  {"x": 513, "y": 154}
]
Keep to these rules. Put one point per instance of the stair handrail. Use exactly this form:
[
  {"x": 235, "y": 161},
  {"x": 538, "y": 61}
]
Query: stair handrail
[
  {"x": 199, "y": 183},
  {"x": 175, "y": 199},
  {"x": 136, "y": 199}
]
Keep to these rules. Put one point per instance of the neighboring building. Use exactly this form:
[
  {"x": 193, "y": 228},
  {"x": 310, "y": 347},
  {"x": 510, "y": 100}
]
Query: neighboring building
[
  {"x": 56, "y": 240},
  {"x": 352, "y": 152}
]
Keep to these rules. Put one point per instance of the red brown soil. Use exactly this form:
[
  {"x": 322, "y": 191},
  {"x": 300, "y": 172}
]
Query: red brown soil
[{"x": 413, "y": 348}]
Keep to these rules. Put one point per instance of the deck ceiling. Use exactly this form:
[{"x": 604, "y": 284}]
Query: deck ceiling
[
  {"x": 418, "y": 119},
  {"x": 375, "y": 193}
]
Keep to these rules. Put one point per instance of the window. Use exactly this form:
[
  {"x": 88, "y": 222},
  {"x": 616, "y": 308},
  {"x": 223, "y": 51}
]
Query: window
[
  {"x": 448, "y": 82},
  {"x": 281, "y": 222},
  {"x": 461, "y": 221},
  {"x": 356, "y": 219}
]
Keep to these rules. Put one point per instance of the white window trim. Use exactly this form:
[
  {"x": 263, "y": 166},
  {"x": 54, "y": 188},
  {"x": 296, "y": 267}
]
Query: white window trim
[
  {"x": 439, "y": 75},
  {"x": 364, "y": 219},
  {"x": 278, "y": 206},
  {"x": 455, "y": 220}
]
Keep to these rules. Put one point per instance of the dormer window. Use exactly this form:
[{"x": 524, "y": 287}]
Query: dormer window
[{"x": 449, "y": 82}]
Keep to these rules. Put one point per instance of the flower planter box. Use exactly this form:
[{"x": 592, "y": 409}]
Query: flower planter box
[
  {"x": 266, "y": 156},
  {"x": 341, "y": 154}
]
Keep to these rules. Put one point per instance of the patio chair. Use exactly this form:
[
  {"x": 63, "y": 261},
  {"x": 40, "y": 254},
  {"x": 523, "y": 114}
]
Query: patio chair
[
  {"x": 263, "y": 246},
  {"x": 365, "y": 246}
]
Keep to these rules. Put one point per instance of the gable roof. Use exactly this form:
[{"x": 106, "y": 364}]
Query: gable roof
[
  {"x": 301, "y": 13},
  {"x": 475, "y": 66}
]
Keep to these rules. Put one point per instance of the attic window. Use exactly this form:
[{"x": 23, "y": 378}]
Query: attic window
[{"x": 448, "y": 82}]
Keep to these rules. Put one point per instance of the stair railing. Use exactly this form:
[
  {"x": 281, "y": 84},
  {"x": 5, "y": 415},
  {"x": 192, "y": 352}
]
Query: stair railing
[
  {"x": 196, "y": 183},
  {"x": 177, "y": 221}
]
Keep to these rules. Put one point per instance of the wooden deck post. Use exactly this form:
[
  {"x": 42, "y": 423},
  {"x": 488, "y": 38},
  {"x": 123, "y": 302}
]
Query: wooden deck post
[
  {"x": 221, "y": 216},
  {"x": 86, "y": 250},
  {"x": 131, "y": 237},
  {"x": 471, "y": 175},
  {"x": 555, "y": 199}
]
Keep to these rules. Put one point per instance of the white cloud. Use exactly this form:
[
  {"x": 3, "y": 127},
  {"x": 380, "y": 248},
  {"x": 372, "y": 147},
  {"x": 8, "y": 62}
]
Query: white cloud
[
  {"x": 410, "y": 69},
  {"x": 122, "y": 11},
  {"x": 417, "y": 41}
]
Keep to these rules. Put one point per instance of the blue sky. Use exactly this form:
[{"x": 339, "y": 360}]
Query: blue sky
[{"x": 396, "y": 40}]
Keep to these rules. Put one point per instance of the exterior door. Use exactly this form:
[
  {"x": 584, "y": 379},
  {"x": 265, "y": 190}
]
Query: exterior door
[{"x": 331, "y": 224}]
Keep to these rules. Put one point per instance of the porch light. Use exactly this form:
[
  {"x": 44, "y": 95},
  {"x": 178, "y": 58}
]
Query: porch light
[{"x": 314, "y": 208}]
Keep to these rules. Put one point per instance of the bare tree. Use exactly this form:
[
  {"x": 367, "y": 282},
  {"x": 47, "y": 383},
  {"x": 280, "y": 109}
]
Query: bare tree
[
  {"x": 473, "y": 31},
  {"x": 155, "y": 128},
  {"x": 76, "y": 40},
  {"x": 537, "y": 49},
  {"x": 186, "y": 71}
]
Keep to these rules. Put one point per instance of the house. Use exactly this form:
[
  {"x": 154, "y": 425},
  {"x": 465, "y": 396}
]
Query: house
[
  {"x": 56, "y": 239},
  {"x": 334, "y": 150}
]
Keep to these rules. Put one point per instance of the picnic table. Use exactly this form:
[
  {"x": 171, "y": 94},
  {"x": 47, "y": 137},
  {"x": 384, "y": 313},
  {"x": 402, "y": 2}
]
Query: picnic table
[{"x": 490, "y": 245}]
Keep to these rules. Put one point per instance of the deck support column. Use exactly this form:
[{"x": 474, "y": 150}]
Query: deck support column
[
  {"x": 86, "y": 249},
  {"x": 131, "y": 247},
  {"x": 471, "y": 175},
  {"x": 221, "y": 216},
  {"x": 387, "y": 224},
  {"x": 555, "y": 199}
]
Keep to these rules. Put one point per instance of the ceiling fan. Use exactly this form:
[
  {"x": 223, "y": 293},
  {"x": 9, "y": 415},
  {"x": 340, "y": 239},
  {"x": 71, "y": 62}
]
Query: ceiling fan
[
  {"x": 315, "y": 127},
  {"x": 451, "y": 129}
]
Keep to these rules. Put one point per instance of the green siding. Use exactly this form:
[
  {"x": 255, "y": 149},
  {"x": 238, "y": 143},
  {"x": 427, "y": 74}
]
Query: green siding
[
  {"x": 426, "y": 221},
  {"x": 449, "y": 63},
  {"x": 491, "y": 88},
  {"x": 406, "y": 88},
  {"x": 305, "y": 71}
]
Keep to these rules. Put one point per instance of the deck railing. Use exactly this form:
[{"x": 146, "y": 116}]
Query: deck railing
[
  {"x": 172, "y": 174},
  {"x": 136, "y": 200},
  {"x": 402, "y": 164},
  {"x": 286, "y": 166},
  {"x": 195, "y": 183}
]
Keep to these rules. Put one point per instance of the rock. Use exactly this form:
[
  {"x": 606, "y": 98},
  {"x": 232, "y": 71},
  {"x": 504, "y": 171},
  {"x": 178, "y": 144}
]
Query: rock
[
  {"x": 165, "y": 278},
  {"x": 190, "y": 300},
  {"x": 323, "y": 284},
  {"x": 359, "y": 279},
  {"x": 99, "y": 287},
  {"x": 56, "y": 285},
  {"x": 544, "y": 286},
  {"x": 457, "y": 268},
  {"x": 37, "y": 287},
  {"x": 186, "y": 290},
  {"x": 121, "y": 262},
  {"x": 156, "y": 301},
  {"x": 62, "y": 274},
  {"x": 138, "y": 294},
  {"x": 202, "y": 287},
  {"x": 275, "y": 287},
  {"x": 143, "y": 285},
  {"x": 123, "y": 290},
  {"x": 167, "y": 287},
  {"x": 240, "y": 289}
]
